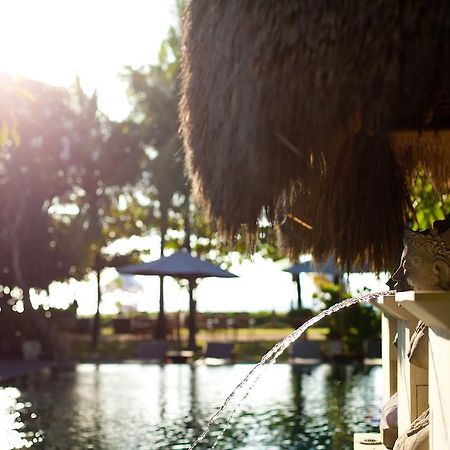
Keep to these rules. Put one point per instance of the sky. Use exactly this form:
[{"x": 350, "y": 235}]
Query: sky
[{"x": 55, "y": 41}]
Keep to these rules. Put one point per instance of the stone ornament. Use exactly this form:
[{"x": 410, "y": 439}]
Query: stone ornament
[
  {"x": 417, "y": 437},
  {"x": 418, "y": 346},
  {"x": 389, "y": 422},
  {"x": 425, "y": 262}
]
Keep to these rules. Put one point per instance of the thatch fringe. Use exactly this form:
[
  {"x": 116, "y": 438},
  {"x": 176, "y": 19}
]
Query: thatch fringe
[
  {"x": 275, "y": 91},
  {"x": 369, "y": 223},
  {"x": 428, "y": 151}
]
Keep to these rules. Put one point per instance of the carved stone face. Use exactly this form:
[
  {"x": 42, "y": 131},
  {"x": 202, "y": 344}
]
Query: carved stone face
[
  {"x": 398, "y": 279},
  {"x": 418, "y": 264},
  {"x": 425, "y": 262}
]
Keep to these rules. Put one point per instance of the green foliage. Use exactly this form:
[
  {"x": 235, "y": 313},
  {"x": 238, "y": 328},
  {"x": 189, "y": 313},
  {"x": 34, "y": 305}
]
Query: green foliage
[
  {"x": 14, "y": 97},
  {"x": 252, "y": 351},
  {"x": 353, "y": 325},
  {"x": 428, "y": 204},
  {"x": 298, "y": 317},
  {"x": 106, "y": 164},
  {"x": 63, "y": 186},
  {"x": 31, "y": 176},
  {"x": 153, "y": 91}
]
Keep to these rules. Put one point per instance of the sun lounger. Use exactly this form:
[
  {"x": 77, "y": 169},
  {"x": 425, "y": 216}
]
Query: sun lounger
[
  {"x": 152, "y": 351},
  {"x": 372, "y": 354},
  {"x": 336, "y": 351},
  {"x": 219, "y": 353},
  {"x": 306, "y": 352}
]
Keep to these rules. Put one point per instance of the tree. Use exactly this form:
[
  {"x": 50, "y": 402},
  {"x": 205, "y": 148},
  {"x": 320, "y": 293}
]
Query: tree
[
  {"x": 32, "y": 168},
  {"x": 14, "y": 97},
  {"x": 61, "y": 184},
  {"x": 105, "y": 164},
  {"x": 31, "y": 176},
  {"x": 428, "y": 205},
  {"x": 154, "y": 92},
  {"x": 353, "y": 325}
]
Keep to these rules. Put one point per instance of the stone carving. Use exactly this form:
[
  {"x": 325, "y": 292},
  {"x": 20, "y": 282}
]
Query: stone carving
[
  {"x": 418, "y": 346},
  {"x": 389, "y": 422},
  {"x": 417, "y": 436},
  {"x": 425, "y": 262}
]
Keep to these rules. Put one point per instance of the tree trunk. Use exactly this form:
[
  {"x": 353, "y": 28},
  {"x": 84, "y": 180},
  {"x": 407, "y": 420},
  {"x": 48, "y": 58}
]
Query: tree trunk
[
  {"x": 160, "y": 329},
  {"x": 178, "y": 324},
  {"x": 96, "y": 325},
  {"x": 192, "y": 317},
  {"x": 46, "y": 333},
  {"x": 192, "y": 344},
  {"x": 187, "y": 226},
  {"x": 15, "y": 255},
  {"x": 26, "y": 300}
]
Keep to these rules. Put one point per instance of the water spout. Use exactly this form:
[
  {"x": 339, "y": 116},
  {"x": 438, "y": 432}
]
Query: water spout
[{"x": 271, "y": 357}]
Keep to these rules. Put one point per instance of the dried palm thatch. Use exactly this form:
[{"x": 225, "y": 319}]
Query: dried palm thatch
[{"x": 296, "y": 107}]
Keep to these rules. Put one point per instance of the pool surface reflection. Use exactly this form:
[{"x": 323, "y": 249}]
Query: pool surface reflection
[{"x": 139, "y": 406}]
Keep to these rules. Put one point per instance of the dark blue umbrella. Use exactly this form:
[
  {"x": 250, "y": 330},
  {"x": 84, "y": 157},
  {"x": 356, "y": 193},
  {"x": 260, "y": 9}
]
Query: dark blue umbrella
[
  {"x": 181, "y": 265},
  {"x": 313, "y": 267},
  {"x": 310, "y": 267}
]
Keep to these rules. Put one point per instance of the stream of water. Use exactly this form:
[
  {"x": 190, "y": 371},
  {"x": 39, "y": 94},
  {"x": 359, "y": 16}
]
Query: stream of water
[{"x": 269, "y": 358}]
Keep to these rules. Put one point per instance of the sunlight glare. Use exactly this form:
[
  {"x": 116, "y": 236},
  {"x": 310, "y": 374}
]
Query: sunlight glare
[{"x": 54, "y": 41}]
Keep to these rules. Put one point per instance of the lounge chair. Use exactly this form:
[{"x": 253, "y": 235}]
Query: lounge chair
[
  {"x": 306, "y": 352},
  {"x": 219, "y": 353},
  {"x": 372, "y": 352},
  {"x": 152, "y": 351},
  {"x": 336, "y": 354}
]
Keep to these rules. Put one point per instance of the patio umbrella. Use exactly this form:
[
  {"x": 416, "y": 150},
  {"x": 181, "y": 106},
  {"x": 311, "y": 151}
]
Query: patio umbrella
[
  {"x": 316, "y": 114},
  {"x": 181, "y": 265},
  {"x": 310, "y": 267},
  {"x": 125, "y": 283}
]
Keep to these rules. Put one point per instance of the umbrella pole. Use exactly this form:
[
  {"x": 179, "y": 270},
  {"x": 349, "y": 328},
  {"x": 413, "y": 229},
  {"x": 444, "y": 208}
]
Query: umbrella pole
[
  {"x": 299, "y": 292},
  {"x": 178, "y": 319},
  {"x": 192, "y": 317},
  {"x": 160, "y": 330}
]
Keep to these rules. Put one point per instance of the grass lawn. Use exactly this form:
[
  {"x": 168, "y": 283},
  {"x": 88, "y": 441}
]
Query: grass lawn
[{"x": 250, "y": 344}]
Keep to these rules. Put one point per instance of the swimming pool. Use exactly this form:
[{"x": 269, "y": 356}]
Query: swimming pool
[{"x": 145, "y": 406}]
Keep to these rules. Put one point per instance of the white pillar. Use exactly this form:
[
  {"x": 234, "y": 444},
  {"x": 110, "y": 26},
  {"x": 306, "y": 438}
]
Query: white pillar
[
  {"x": 389, "y": 356},
  {"x": 439, "y": 391},
  {"x": 434, "y": 309},
  {"x": 412, "y": 381}
]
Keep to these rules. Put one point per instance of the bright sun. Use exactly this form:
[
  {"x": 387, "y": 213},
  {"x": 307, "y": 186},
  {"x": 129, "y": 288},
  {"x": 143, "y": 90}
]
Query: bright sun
[{"x": 53, "y": 41}]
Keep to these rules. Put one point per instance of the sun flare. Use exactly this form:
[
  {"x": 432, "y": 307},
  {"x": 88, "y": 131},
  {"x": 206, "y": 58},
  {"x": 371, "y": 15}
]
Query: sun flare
[{"x": 56, "y": 41}]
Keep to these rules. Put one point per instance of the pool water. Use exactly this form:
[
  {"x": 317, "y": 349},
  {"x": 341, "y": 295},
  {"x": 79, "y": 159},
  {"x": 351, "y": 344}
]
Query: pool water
[{"x": 145, "y": 406}]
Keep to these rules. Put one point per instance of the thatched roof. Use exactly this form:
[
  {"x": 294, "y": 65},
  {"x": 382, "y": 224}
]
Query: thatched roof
[{"x": 316, "y": 110}]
